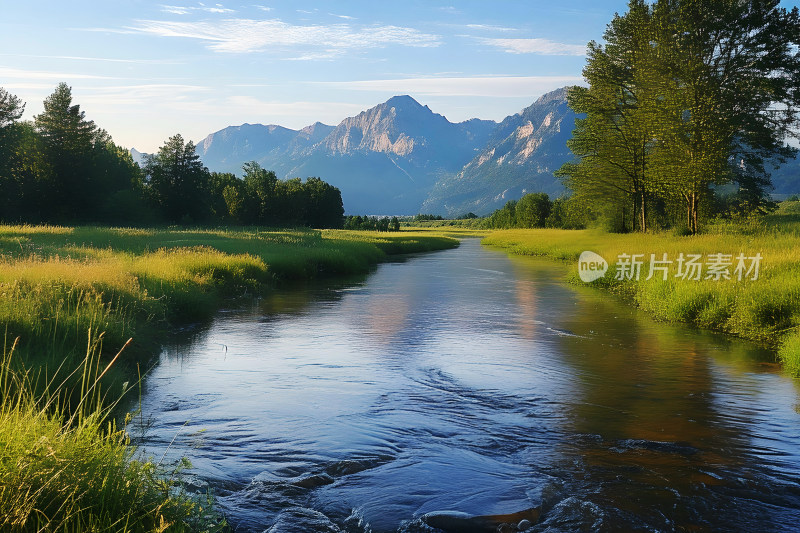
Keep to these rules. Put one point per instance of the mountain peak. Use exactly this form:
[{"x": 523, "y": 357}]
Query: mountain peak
[{"x": 402, "y": 100}]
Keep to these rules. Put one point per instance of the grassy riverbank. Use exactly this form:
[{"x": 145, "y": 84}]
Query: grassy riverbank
[
  {"x": 766, "y": 309},
  {"x": 63, "y": 464}
]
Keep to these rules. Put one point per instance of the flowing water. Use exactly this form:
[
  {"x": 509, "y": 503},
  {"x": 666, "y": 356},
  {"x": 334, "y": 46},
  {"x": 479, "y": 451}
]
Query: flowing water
[{"x": 461, "y": 390}]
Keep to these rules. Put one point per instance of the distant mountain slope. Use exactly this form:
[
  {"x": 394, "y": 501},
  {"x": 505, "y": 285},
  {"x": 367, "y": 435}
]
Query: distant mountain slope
[
  {"x": 521, "y": 156},
  {"x": 385, "y": 160},
  {"x": 228, "y": 149},
  {"x": 138, "y": 157},
  {"x": 399, "y": 157}
]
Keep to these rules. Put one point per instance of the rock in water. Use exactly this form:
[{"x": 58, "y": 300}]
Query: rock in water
[
  {"x": 300, "y": 520},
  {"x": 456, "y": 522}
]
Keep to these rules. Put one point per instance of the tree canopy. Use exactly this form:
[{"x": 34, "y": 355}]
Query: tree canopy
[
  {"x": 685, "y": 95},
  {"x": 62, "y": 168}
]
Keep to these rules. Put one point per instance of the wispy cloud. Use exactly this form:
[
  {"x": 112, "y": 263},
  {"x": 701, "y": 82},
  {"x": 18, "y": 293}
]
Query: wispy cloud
[
  {"x": 246, "y": 35},
  {"x": 97, "y": 59},
  {"x": 486, "y": 86},
  {"x": 47, "y": 75},
  {"x": 133, "y": 97},
  {"x": 536, "y": 46},
  {"x": 185, "y": 10},
  {"x": 489, "y": 27}
]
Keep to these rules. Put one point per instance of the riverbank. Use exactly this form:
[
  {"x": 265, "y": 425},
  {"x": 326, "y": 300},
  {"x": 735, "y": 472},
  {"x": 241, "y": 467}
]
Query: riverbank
[
  {"x": 765, "y": 309},
  {"x": 70, "y": 298}
]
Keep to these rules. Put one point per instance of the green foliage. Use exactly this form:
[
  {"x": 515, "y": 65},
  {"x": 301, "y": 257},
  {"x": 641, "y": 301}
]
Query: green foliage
[
  {"x": 11, "y": 108},
  {"x": 177, "y": 181},
  {"x": 536, "y": 210},
  {"x": 684, "y": 97},
  {"x": 64, "y": 169},
  {"x": 425, "y": 217},
  {"x": 68, "y": 468},
  {"x": 366, "y": 223}
]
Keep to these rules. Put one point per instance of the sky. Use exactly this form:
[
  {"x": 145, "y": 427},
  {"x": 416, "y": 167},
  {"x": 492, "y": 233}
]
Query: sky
[{"x": 145, "y": 70}]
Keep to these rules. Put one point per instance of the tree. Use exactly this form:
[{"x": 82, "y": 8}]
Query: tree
[
  {"x": 532, "y": 210},
  {"x": 684, "y": 95},
  {"x": 68, "y": 142},
  {"x": 613, "y": 141},
  {"x": 259, "y": 192},
  {"x": 735, "y": 72},
  {"x": 11, "y": 108},
  {"x": 177, "y": 181},
  {"x": 325, "y": 208},
  {"x": 225, "y": 206}
]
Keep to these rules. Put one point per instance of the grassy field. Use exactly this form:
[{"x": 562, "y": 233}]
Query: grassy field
[
  {"x": 70, "y": 300},
  {"x": 766, "y": 309}
]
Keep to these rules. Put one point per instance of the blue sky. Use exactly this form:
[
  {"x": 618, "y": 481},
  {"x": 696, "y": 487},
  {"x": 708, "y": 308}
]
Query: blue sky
[{"x": 147, "y": 70}]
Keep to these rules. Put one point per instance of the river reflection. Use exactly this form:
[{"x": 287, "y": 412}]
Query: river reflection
[{"x": 471, "y": 382}]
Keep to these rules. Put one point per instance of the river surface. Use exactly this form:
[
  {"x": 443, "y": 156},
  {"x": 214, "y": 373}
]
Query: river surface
[{"x": 467, "y": 383}]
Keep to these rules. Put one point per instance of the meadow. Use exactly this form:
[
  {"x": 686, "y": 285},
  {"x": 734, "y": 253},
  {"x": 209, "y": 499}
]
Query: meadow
[
  {"x": 765, "y": 309},
  {"x": 82, "y": 311}
]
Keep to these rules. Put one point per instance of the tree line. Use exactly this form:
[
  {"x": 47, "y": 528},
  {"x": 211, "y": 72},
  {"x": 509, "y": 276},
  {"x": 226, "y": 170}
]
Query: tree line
[
  {"x": 537, "y": 210},
  {"x": 688, "y": 108},
  {"x": 62, "y": 168}
]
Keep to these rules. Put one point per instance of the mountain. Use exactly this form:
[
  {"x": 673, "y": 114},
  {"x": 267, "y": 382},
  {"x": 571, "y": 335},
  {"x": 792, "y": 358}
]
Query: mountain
[
  {"x": 138, "y": 157},
  {"x": 400, "y": 157},
  {"x": 386, "y": 159},
  {"x": 228, "y": 149},
  {"x": 520, "y": 157}
]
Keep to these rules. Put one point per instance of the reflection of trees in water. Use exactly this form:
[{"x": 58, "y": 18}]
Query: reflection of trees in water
[{"x": 656, "y": 429}]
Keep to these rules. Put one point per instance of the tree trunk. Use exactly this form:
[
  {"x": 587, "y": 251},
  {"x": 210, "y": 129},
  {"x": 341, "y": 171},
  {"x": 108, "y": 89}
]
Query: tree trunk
[{"x": 643, "y": 223}]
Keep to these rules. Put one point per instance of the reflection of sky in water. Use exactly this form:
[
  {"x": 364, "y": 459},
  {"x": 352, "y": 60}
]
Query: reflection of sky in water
[{"x": 468, "y": 381}]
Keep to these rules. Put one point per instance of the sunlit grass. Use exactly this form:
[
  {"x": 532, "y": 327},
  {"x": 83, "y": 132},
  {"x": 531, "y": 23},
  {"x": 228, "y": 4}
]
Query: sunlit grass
[
  {"x": 56, "y": 281},
  {"x": 64, "y": 466},
  {"x": 67, "y": 467},
  {"x": 766, "y": 309}
]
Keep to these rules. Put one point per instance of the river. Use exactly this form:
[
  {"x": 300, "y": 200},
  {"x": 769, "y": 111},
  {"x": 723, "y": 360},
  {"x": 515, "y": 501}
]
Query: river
[{"x": 467, "y": 383}]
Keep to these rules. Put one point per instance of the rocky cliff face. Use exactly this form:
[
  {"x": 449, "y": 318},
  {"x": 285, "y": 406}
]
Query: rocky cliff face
[
  {"x": 400, "y": 157},
  {"x": 520, "y": 157}
]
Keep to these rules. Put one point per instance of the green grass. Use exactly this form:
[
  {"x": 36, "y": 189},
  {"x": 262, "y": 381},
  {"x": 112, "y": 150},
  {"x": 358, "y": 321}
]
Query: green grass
[
  {"x": 64, "y": 465},
  {"x": 70, "y": 469},
  {"x": 766, "y": 310}
]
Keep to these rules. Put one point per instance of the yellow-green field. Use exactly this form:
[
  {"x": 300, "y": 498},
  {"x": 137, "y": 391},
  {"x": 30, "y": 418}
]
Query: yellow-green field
[
  {"x": 766, "y": 309},
  {"x": 70, "y": 298}
]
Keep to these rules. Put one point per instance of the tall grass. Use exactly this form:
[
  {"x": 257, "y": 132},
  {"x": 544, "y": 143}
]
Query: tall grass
[
  {"x": 56, "y": 281},
  {"x": 766, "y": 309},
  {"x": 64, "y": 465},
  {"x": 67, "y": 467}
]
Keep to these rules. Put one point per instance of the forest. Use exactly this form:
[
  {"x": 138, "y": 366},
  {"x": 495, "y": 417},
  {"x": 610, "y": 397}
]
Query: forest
[{"x": 61, "y": 168}]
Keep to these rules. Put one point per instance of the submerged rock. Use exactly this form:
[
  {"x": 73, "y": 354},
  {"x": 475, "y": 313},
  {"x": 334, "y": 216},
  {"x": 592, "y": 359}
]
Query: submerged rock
[
  {"x": 457, "y": 522},
  {"x": 302, "y": 520}
]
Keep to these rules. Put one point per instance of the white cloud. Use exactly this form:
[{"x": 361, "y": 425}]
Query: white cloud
[
  {"x": 537, "y": 46},
  {"x": 44, "y": 75},
  {"x": 98, "y": 59},
  {"x": 488, "y": 27},
  {"x": 184, "y": 10},
  {"x": 487, "y": 86},
  {"x": 246, "y": 35}
]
